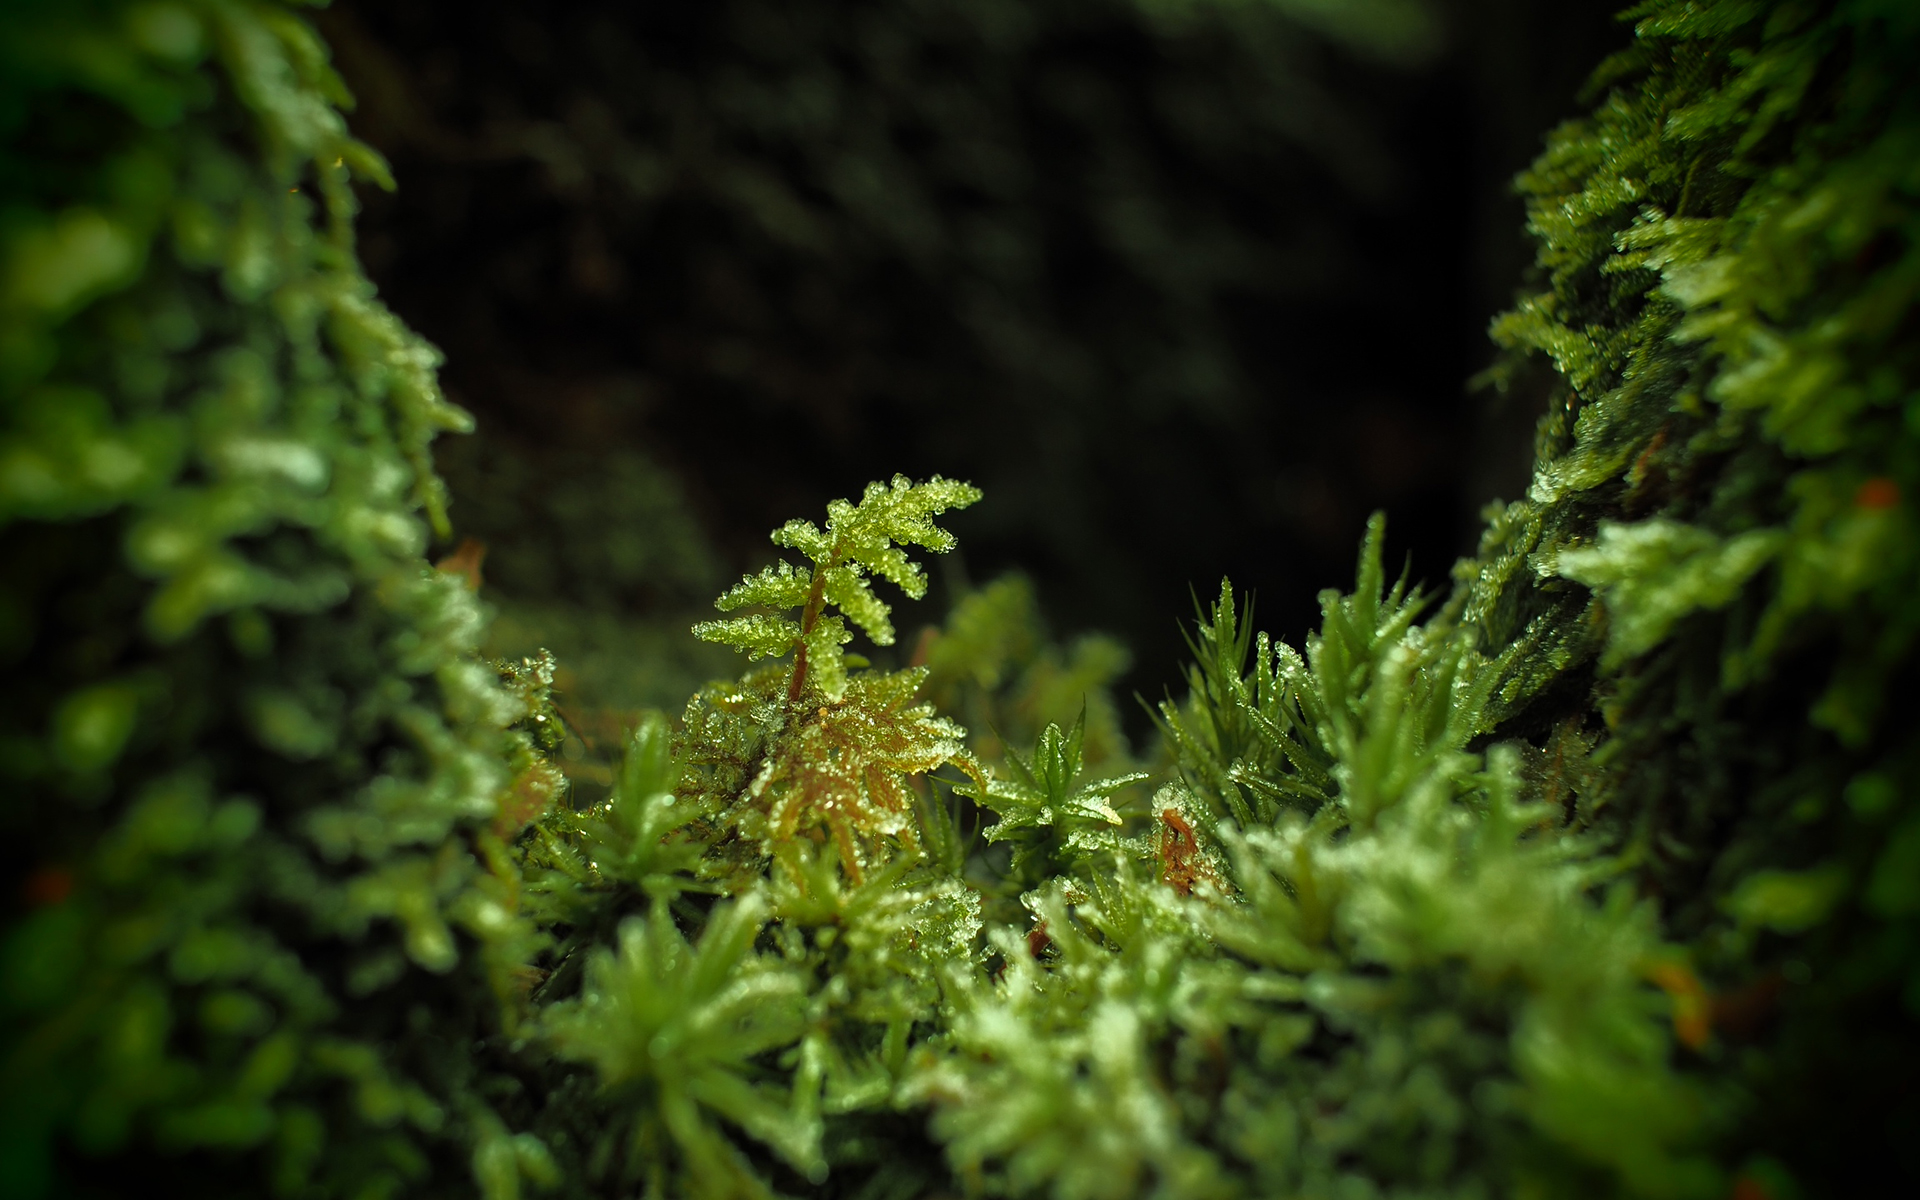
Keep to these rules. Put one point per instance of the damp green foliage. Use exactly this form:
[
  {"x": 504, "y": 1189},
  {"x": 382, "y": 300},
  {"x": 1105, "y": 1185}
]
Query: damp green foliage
[
  {"x": 812, "y": 748},
  {"x": 1305, "y": 995},
  {"x": 994, "y": 664},
  {"x": 861, "y": 540},
  {"x": 1594, "y": 879},
  {"x": 679, "y": 1025},
  {"x": 747, "y": 933},
  {"x": 1586, "y": 881},
  {"x": 1704, "y": 608},
  {"x": 1655, "y": 572},
  {"x": 252, "y": 766},
  {"x": 1052, "y": 816}
]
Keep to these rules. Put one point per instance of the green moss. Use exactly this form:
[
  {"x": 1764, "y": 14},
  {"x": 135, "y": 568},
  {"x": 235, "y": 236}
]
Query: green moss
[
  {"x": 1684, "y": 649},
  {"x": 247, "y": 738},
  {"x": 1728, "y": 247},
  {"x": 1595, "y": 879}
]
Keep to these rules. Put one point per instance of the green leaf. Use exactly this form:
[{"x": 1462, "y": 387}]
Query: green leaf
[
  {"x": 1654, "y": 573},
  {"x": 760, "y": 636},
  {"x": 778, "y": 586}
]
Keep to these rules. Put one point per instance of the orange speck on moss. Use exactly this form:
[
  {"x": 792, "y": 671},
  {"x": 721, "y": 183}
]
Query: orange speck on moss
[
  {"x": 48, "y": 885},
  {"x": 1038, "y": 939},
  {"x": 1644, "y": 463},
  {"x": 1692, "y": 1006},
  {"x": 1179, "y": 852},
  {"x": 465, "y": 562},
  {"x": 1748, "y": 1188},
  {"x": 1878, "y": 493}
]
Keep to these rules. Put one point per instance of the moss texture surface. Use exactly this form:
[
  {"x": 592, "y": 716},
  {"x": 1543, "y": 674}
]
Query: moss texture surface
[{"x": 1599, "y": 875}]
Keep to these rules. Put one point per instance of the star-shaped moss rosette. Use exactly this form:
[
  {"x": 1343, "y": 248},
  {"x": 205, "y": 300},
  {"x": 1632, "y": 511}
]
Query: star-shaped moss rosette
[{"x": 1053, "y": 820}]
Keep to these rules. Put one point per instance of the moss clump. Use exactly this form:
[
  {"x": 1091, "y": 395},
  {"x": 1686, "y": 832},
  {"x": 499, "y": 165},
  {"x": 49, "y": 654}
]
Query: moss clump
[
  {"x": 250, "y": 760},
  {"x": 1596, "y": 878},
  {"x": 1712, "y": 580}
]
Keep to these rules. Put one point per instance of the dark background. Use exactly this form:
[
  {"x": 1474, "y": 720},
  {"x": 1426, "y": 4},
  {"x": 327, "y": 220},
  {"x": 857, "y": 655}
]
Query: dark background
[{"x": 1188, "y": 288}]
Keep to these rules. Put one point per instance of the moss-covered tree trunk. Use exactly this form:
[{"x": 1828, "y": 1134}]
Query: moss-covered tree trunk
[
  {"x": 1705, "y": 607},
  {"x": 249, "y": 760}
]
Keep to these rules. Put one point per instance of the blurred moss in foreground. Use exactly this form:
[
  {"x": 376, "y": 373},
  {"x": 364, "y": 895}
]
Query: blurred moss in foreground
[{"x": 250, "y": 758}]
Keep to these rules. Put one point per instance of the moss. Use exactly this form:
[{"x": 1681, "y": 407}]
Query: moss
[
  {"x": 1728, "y": 244},
  {"x": 248, "y": 746},
  {"x": 1593, "y": 878}
]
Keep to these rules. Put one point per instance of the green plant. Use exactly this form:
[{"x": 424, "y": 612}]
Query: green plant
[
  {"x": 1053, "y": 819},
  {"x": 1407, "y": 984},
  {"x": 1679, "y": 652},
  {"x": 1596, "y": 878},
  {"x": 1711, "y": 580},
  {"x": 798, "y": 794},
  {"x": 252, "y": 767},
  {"x": 812, "y": 748}
]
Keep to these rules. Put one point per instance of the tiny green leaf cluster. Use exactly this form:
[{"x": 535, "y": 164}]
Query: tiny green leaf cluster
[
  {"x": 820, "y": 749},
  {"x": 1041, "y": 805},
  {"x": 868, "y": 538},
  {"x": 684, "y": 1023}
]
